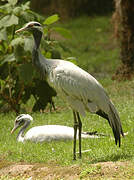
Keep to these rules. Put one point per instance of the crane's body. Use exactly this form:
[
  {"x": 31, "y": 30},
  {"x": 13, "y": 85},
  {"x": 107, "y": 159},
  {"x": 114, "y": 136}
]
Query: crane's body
[
  {"x": 79, "y": 89},
  {"x": 72, "y": 83},
  {"x": 49, "y": 133},
  {"x": 44, "y": 133}
]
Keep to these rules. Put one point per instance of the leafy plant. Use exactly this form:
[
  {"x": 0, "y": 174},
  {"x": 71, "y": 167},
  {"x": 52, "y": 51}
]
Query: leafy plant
[{"x": 18, "y": 79}]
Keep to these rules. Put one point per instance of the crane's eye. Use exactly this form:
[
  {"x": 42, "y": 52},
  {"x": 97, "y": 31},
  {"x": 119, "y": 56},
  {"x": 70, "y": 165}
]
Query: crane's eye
[
  {"x": 30, "y": 25},
  {"x": 18, "y": 117},
  {"x": 19, "y": 121},
  {"x": 36, "y": 24},
  {"x": 33, "y": 25}
]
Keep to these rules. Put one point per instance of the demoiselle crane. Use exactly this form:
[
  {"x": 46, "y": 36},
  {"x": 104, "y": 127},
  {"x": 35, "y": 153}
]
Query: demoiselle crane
[
  {"x": 80, "y": 90},
  {"x": 46, "y": 132}
]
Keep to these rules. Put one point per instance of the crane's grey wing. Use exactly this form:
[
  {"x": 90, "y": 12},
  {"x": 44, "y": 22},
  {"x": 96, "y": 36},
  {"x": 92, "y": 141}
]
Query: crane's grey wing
[{"x": 78, "y": 86}]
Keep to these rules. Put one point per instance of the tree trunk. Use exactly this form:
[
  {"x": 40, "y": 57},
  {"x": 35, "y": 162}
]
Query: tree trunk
[{"x": 123, "y": 19}]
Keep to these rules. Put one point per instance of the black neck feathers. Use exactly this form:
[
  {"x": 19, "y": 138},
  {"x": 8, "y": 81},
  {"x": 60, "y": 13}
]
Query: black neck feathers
[
  {"x": 21, "y": 132},
  {"x": 36, "y": 55},
  {"x": 37, "y": 38}
]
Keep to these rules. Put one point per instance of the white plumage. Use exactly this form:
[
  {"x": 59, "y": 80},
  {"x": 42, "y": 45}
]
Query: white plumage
[
  {"x": 80, "y": 90},
  {"x": 44, "y": 133}
]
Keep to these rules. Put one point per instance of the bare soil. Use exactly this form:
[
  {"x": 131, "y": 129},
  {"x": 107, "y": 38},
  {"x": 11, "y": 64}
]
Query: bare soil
[{"x": 36, "y": 171}]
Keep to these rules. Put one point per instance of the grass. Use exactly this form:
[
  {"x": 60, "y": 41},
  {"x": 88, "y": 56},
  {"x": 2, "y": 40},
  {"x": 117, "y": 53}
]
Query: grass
[{"x": 92, "y": 45}]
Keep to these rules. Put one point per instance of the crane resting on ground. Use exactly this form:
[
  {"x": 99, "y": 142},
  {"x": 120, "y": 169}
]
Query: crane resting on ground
[
  {"x": 46, "y": 133},
  {"x": 78, "y": 88}
]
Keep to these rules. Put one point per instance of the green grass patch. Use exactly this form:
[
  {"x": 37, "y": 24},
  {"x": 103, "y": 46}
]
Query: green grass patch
[{"x": 93, "y": 44}]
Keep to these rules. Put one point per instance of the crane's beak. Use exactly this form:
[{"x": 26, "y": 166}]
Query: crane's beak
[
  {"x": 15, "y": 127},
  {"x": 21, "y": 29}
]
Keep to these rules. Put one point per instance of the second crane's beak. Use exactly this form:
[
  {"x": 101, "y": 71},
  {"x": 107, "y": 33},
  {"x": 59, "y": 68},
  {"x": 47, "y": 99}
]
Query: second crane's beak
[
  {"x": 15, "y": 127},
  {"x": 21, "y": 29}
]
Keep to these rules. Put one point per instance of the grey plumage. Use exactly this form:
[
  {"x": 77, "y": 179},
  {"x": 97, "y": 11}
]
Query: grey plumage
[{"x": 79, "y": 89}]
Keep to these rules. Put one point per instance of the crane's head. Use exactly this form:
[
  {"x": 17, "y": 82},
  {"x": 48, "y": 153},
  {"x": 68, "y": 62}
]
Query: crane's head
[
  {"x": 21, "y": 120},
  {"x": 31, "y": 26}
]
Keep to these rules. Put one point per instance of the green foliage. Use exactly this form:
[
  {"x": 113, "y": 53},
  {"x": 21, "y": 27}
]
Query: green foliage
[
  {"x": 64, "y": 32},
  {"x": 51, "y": 19},
  {"x": 90, "y": 170},
  {"x": 17, "y": 75},
  {"x": 93, "y": 45}
]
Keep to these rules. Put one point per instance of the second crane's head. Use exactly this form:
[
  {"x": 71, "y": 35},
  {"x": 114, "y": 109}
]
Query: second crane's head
[
  {"x": 32, "y": 26},
  {"x": 22, "y": 120}
]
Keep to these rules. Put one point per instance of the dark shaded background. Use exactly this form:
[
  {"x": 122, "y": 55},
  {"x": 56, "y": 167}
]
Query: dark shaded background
[{"x": 73, "y": 8}]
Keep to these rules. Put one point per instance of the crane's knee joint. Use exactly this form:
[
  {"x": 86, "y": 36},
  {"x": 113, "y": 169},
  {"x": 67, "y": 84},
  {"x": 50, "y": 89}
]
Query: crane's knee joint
[{"x": 76, "y": 124}]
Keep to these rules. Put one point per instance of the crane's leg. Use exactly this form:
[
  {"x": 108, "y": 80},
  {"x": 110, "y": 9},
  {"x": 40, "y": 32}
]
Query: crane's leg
[
  {"x": 80, "y": 129},
  {"x": 75, "y": 134}
]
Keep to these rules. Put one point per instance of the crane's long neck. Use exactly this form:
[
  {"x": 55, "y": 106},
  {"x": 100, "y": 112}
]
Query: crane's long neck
[
  {"x": 37, "y": 58},
  {"x": 37, "y": 38},
  {"x": 20, "y": 137}
]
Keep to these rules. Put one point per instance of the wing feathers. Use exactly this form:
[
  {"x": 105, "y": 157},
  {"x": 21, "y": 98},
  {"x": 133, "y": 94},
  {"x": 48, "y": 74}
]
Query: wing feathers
[{"x": 115, "y": 124}]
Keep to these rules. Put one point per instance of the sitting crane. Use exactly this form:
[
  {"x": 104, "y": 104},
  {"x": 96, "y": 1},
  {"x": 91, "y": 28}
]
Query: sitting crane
[
  {"x": 46, "y": 132},
  {"x": 78, "y": 88}
]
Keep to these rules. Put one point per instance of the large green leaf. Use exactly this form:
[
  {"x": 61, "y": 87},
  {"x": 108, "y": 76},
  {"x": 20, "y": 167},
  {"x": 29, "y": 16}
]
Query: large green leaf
[
  {"x": 19, "y": 53},
  {"x": 18, "y": 48},
  {"x": 8, "y": 20},
  {"x": 3, "y": 34},
  {"x": 8, "y": 58},
  {"x": 13, "y": 2},
  {"x": 28, "y": 44},
  {"x": 26, "y": 6},
  {"x": 6, "y": 9},
  {"x": 51, "y": 19},
  {"x": 62, "y": 31},
  {"x": 17, "y": 11},
  {"x": 26, "y": 72},
  {"x": 17, "y": 41}
]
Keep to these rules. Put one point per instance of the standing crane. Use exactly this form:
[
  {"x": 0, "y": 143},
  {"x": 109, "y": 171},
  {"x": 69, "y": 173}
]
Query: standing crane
[
  {"x": 46, "y": 132},
  {"x": 78, "y": 88}
]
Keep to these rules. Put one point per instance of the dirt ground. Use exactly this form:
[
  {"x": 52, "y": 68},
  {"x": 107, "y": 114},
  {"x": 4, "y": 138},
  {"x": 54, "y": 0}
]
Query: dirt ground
[{"x": 103, "y": 170}]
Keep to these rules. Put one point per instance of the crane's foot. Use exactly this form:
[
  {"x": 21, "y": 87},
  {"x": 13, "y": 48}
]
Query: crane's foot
[
  {"x": 80, "y": 156},
  {"x": 74, "y": 158}
]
